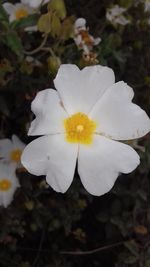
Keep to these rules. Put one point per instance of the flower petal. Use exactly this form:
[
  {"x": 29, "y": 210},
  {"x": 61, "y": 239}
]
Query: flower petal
[
  {"x": 6, "y": 147},
  {"x": 7, "y": 198},
  {"x": 49, "y": 114},
  {"x": 17, "y": 143},
  {"x": 80, "y": 89},
  {"x": 34, "y": 3},
  {"x": 54, "y": 157},
  {"x": 7, "y": 171},
  {"x": 100, "y": 164},
  {"x": 9, "y": 8},
  {"x": 117, "y": 117}
]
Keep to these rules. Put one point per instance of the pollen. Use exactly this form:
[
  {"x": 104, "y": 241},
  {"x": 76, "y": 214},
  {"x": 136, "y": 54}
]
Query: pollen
[
  {"x": 21, "y": 13},
  {"x": 5, "y": 185},
  {"x": 15, "y": 155},
  {"x": 79, "y": 129}
]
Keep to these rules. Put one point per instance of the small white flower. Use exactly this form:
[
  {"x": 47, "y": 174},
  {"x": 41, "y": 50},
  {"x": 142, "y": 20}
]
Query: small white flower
[
  {"x": 33, "y": 61},
  {"x": 147, "y": 6},
  {"x": 83, "y": 121},
  {"x": 11, "y": 150},
  {"x": 115, "y": 15},
  {"x": 82, "y": 38},
  {"x": 17, "y": 11},
  {"x": 35, "y": 3},
  {"x": 8, "y": 183}
]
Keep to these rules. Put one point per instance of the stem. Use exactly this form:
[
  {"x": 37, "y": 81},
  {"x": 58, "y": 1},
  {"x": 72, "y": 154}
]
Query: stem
[
  {"x": 36, "y": 50},
  {"x": 88, "y": 252},
  {"x": 49, "y": 49}
]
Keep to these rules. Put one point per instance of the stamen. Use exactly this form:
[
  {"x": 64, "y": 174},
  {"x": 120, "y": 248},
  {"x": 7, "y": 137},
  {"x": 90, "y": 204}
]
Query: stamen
[
  {"x": 5, "y": 185},
  {"x": 21, "y": 13},
  {"x": 79, "y": 129},
  {"x": 15, "y": 155}
]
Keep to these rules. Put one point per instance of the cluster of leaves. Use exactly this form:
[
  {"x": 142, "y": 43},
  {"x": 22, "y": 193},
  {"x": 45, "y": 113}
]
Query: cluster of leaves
[{"x": 41, "y": 227}]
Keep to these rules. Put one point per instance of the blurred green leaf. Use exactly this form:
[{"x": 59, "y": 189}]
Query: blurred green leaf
[
  {"x": 147, "y": 263},
  {"x": 58, "y": 7},
  {"x": 12, "y": 40},
  {"x": 3, "y": 14},
  {"x": 132, "y": 247}
]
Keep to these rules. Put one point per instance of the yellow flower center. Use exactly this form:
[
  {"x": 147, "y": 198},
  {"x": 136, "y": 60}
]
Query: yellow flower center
[
  {"x": 21, "y": 13},
  {"x": 15, "y": 155},
  {"x": 79, "y": 129},
  {"x": 5, "y": 185}
]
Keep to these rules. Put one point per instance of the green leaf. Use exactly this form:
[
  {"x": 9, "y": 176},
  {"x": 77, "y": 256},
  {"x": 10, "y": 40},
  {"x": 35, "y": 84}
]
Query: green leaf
[
  {"x": 147, "y": 263},
  {"x": 31, "y": 20},
  {"x": 125, "y": 3},
  {"x": 132, "y": 247},
  {"x": 13, "y": 41},
  {"x": 130, "y": 259},
  {"x": 58, "y": 6}
]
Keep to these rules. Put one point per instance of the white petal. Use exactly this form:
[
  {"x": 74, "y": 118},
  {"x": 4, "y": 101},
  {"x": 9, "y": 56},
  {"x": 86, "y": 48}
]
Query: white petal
[
  {"x": 80, "y": 22},
  {"x": 6, "y": 146},
  {"x": 49, "y": 114},
  {"x": 25, "y": 2},
  {"x": 100, "y": 164},
  {"x": 17, "y": 143},
  {"x": 9, "y": 8},
  {"x": 12, "y": 17},
  {"x": 7, "y": 198},
  {"x": 34, "y": 3},
  {"x": 54, "y": 157},
  {"x": 31, "y": 29},
  {"x": 7, "y": 171},
  {"x": 117, "y": 117},
  {"x": 80, "y": 89},
  {"x": 97, "y": 40}
]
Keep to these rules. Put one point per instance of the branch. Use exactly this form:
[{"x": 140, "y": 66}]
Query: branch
[
  {"x": 36, "y": 50},
  {"x": 89, "y": 252}
]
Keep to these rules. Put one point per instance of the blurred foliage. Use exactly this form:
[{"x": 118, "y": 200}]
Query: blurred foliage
[{"x": 40, "y": 225}]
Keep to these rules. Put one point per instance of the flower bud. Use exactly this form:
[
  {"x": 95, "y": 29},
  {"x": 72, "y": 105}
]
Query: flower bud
[
  {"x": 53, "y": 64},
  {"x": 59, "y": 7}
]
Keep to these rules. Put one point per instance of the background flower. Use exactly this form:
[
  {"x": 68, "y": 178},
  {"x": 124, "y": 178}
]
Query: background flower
[
  {"x": 34, "y": 3},
  {"x": 115, "y": 15},
  {"x": 17, "y": 11},
  {"x": 8, "y": 183},
  {"x": 11, "y": 150}
]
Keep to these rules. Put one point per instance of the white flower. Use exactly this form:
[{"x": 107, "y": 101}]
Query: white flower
[
  {"x": 34, "y": 3},
  {"x": 8, "y": 183},
  {"x": 82, "y": 37},
  {"x": 83, "y": 121},
  {"x": 114, "y": 15},
  {"x": 33, "y": 61},
  {"x": 17, "y": 11},
  {"x": 11, "y": 150},
  {"x": 147, "y": 6}
]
